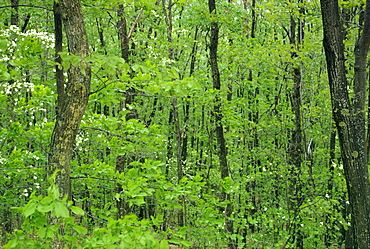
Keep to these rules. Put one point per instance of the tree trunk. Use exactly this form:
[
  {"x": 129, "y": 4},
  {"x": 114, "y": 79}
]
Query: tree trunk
[
  {"x": 122, "y": 33},
  {"x": 58, "y": 32},
  {"x": 296, "y": 142},
  {"x": 123, "y": 161},
  {"x": 349, "y": 117},
  {"x": 75, "y": 100},
  {"x": 219, "y": 129},
  {"x": 14, "y": 18}
]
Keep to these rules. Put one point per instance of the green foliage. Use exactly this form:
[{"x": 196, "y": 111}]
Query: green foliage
[
  {"x": 45, "y": 217},
  {"x": 135, "y": 162},
  {"x": 127, "y": 233}
]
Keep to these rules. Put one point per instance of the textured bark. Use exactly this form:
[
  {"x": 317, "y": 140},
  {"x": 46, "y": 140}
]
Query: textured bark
[
  {"x": 349, "y": 117},
  {"x": 76, "y": 97}
]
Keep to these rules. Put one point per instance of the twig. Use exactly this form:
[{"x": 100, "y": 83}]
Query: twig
[
  {"x": 92, "y": 177},
  {"x": 25, "y": 5},
  {"x": 134, "y": 24}
]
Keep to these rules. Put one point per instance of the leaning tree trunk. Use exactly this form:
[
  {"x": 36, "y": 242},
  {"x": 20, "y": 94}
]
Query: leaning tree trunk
[
  {"x": 350, "y": 116},
  {"x": 75, "y": 98}
]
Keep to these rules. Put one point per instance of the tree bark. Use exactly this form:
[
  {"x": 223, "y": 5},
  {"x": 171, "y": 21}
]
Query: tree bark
[
  {"x": 349, "y": 117},
  {"x": 122, "y": 33},
  {"x": 219, "y": 129},
  {"x": 75, "y": 99},
  {"x": 14, "y": 18},
  {"x": 58, "y": 31}
]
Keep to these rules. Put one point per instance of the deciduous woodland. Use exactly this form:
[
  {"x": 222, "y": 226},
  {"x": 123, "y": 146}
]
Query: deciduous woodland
[{"x": 184, "y": 124}]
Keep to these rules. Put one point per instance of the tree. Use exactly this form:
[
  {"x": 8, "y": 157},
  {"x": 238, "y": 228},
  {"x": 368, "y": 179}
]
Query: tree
[
  {"x": 75, "y": 99},
  {"x": 219, "y": 129},
  {"x": 349, "y": 114},
  {"x": 205, "y": 128}
]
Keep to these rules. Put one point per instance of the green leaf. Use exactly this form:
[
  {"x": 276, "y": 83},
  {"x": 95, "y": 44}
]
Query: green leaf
[
  {"x": 139, "y": 200},
  {"x": 61, "y": 210},
  {"x": 163, "y": 244},
  {"x": 69, "y": 220},
  {"x": 41, "y": 232},
  {"x": 29, "y": 209},
  {"x": 54, "y": 191},
  {"x": 41, "y": 221},
  {"x": 46, "y": 200},
  {"x": 180, "y": 242},
  {"x": 77, "y": 210},
  {"x": 5, "y": 76},
  {"x": 173, "y": 74},
  {"x": 45, "y": 209},
  {"x": 117, "y": 196},
  {"x": 11, "y": 244},
  {"x": 80, "y": 229}
]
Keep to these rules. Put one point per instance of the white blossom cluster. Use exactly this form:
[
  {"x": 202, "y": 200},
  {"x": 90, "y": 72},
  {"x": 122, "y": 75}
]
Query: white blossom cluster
[
  {"x": 336, "y": 166},
  {"x": 14, "y": 46},
  {"x": 80, "y": 140},
  {"x": 32, "y": 155},
  {"x": 17, "y": 86},
  {"x": 46, "y": 38},
  {"x": 14, "y": 36}
]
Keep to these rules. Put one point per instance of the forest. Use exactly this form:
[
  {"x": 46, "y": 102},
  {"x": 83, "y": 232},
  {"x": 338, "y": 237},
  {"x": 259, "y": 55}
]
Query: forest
[{"x": 158, "y": 124}]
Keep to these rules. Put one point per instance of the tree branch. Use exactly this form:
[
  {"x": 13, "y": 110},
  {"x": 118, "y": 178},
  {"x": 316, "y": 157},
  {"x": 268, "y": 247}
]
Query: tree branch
[{"x": 134, "y": 24}]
